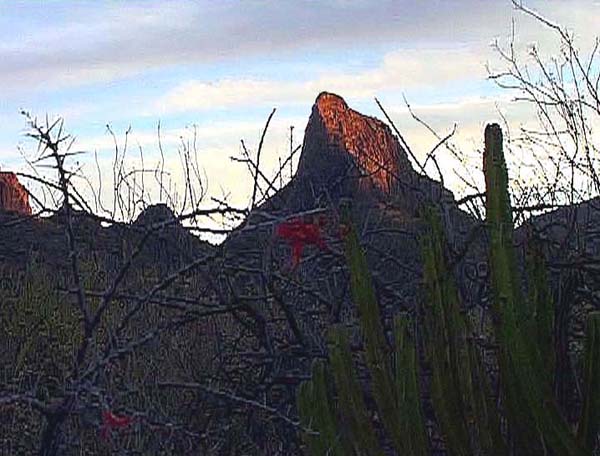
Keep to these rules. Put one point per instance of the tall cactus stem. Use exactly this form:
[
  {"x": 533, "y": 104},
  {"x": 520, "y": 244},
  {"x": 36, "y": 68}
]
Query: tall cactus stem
[
  {"x": 350, "y": 396},
  {"x": 377, "y": 350},
  {"x": 589, "y": 423},
  {"x": 408, "y": 394},
  {"x": 532, "y": 410}
]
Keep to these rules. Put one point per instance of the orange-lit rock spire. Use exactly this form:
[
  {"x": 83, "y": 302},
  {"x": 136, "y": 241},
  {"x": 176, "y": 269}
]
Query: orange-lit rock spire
[{"x": 335, "y": 133}]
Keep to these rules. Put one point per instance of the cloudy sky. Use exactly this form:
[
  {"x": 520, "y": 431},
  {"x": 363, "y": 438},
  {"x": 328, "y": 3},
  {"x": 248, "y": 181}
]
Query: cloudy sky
[{"x": 223, "y": 65}]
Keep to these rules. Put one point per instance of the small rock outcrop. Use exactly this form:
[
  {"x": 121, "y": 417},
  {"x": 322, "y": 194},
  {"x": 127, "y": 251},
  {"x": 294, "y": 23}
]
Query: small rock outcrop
[
  {"x": 13, "y": 196},
  {"x": 154, "y": 214}
]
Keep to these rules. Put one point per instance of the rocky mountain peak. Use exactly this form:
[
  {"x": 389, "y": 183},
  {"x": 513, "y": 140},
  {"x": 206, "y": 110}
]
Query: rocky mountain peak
[
  {"x": 340, "y": 142},
  {"x": 13, "y": 196}
]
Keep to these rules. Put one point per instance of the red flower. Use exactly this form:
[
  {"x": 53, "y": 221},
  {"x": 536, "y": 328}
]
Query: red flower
[
  {"x": 299, "y": 234},
  {"x": 111, "y": 421}
]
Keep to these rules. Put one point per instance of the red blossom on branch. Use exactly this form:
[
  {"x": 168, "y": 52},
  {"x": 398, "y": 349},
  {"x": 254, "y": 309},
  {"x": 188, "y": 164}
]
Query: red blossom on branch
[
  {"x": 299, "y": 234},
  {"x": 111, "y": 421}
]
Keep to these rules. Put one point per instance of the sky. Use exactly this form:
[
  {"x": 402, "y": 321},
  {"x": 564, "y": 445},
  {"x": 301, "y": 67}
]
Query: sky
[{"x": 218, "y": 68}]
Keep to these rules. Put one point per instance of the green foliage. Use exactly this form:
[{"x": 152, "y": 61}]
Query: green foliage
[
  {"x": 42, "y": 333},
  {"x": 350, "y": 396},
  {"x": 39, "y": 336},
  {"x": 460, "y": 392},
  {"x": 531, "y": 408},
  {"x": 589, "y": 423},
  {"x": 377, "y": 351},
  {"x": 317, "y": 413},
  {"x": 459, "y": 389},
  {"x": 396, "y": 392},
  {"x": 411, "y": 420},
  {"x": 540, "y": 321}
]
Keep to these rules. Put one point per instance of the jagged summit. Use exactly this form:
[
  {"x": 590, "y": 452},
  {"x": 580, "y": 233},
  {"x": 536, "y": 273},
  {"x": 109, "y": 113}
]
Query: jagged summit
[
  {"x": 346, "y": 154},
  {"x": 340, "y": 142},
  {"x": 13, "y": 195}
]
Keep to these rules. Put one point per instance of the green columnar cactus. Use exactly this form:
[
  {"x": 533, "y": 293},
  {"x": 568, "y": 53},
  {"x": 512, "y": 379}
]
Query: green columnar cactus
[
  {"x": 460, "y": 392},
  {"x": 317, "y": 413},
  {"x": 351, "y": 403},
  {"x": 459, "y": 388},
  {"x": 589, "y": 424},
  {"x": 532, "y": 411},
  {"x": 541, "y": 319},
  {"x": 407, "y": 389},
  {"x": 489, "y": 438},
  {"x": 377, "y": 350},
  {"x": 441, "y": 344},
  {"x": 396, "y": 392}
]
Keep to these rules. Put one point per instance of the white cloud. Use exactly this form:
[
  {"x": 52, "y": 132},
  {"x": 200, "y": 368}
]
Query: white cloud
[
  {"x": 403, "y": 69},
  {"x": 226, "y": 93},
  {"x": 445, "y": 43},
  {"x": 91, "y": 42}
]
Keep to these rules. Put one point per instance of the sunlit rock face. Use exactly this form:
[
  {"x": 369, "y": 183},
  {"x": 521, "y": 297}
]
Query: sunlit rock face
[
  {"x": 13, "y": 196},
  {"x": 346, "y": 154},
  {"x": 342, "y": 144}
]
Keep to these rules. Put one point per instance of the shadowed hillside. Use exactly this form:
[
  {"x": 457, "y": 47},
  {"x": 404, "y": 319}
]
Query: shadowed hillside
[{"x": 138, "y": 338}]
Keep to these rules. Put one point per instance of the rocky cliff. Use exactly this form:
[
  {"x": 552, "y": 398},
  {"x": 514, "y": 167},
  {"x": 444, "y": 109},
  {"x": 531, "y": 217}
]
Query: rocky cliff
[
  {"x": 345, "y": 155},
  {"x": 339, "y": 140},
  {"x": 348, "y": 154},
  {"x": 13, "y": 196}
]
